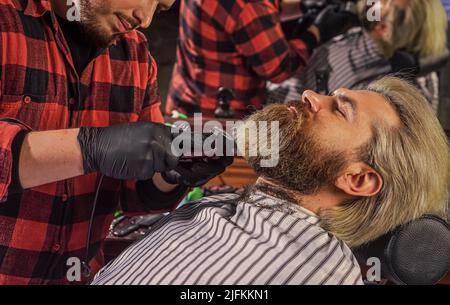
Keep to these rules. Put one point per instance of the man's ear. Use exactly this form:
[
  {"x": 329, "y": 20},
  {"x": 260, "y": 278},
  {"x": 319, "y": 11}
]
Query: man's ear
[
  {"x": 360, "y": 180},
  {"x": 380, "y": 30}
]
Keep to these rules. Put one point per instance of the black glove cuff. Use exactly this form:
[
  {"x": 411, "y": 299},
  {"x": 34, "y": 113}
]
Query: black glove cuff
[
  {"x": 87, "y": 138},
  {"x": 170, "y": 178},
  {"x": 310, "y": 40},
  {"x": 16, "y": 187}
]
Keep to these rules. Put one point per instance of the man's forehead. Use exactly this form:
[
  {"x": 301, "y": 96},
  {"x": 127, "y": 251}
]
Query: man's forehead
[{"x": 374, "y": 105}]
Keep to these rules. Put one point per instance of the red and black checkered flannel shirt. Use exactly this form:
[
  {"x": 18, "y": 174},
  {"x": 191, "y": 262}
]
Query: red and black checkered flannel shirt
[
  {"x": 234, "y": 44},
  {"x": 41, "y": 228}
]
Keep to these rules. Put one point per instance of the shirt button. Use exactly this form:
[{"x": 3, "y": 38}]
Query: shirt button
[
  {"x": 64, "y": 198},
  {"x": 27, "y": 99},
  {"x": 56, "y": 247},
  {"x": 72, "y": 101}
]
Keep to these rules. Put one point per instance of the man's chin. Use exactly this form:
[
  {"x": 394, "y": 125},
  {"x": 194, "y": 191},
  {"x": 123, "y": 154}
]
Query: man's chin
[
  {"x": 106, "y": 40},
  {"x": 98, "y": 37}
]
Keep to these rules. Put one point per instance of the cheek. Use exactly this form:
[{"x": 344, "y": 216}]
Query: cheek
[
  {"x": 124, "y": 4},
  {"x": 98, "y": 7},
  {"x": 334, "y": 134},
  {"x": 332, "y": 137}
]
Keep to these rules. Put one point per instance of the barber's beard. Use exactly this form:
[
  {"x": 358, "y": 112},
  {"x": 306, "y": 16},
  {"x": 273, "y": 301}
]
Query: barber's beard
[
  {"x": 95, "y": 33},
  {"x": 305, "y": 165}
]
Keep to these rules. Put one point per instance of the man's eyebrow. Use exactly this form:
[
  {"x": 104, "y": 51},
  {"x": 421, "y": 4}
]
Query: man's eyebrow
[{"x": 346, "y": 99}]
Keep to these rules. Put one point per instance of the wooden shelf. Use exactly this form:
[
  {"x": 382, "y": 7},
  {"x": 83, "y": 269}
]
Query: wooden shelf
[{"x": 237, "y": 175}]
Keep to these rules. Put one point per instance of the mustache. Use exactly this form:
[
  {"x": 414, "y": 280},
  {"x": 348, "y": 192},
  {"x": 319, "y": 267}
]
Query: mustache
[
  {"x": 280, "y": 112},
  {"x": 133, "y": 22}
]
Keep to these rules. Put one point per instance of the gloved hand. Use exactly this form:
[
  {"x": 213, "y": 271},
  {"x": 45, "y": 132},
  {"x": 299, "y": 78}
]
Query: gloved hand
[
  {"x": 332, "y": 22},
  {"x": 128, "y": 151},
  {"x": 197, "y": 173},
  {"x": 312, "y": 6}
]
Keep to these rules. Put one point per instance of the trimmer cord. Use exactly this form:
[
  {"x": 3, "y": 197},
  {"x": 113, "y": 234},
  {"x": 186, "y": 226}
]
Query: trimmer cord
[{"x": 86, "y": 269}]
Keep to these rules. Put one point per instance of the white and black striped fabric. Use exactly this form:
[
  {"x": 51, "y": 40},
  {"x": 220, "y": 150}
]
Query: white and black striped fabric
[
  {"x": 351, "y": 61},
  {"x": 224, "y": 240}
]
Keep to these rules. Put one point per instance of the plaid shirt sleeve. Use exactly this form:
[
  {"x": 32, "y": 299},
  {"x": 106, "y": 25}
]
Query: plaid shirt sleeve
[
  {"x": 8, "y": 131},
  {"x": 143, "y": 196},
  {"x": 258, "y": 36},
  {"x": 151, "y": 108}
]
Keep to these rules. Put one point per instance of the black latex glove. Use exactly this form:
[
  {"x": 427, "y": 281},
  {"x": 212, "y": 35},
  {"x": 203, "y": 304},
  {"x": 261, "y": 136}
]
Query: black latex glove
[
  {"x": 197, "y": 173},
  {"x": 332, "y": 22},
  {"x": 128, "y": 151},
  {"x": 312, "y": 6}
]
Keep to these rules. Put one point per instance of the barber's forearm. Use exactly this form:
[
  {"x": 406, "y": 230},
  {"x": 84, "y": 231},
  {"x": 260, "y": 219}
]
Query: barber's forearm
[
  {"x": 52, "y": 156},
  {"x": 290, "y": 9},
  {"x": 49, "y": 156}
]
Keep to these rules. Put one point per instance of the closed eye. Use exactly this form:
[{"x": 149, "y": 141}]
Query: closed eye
[{"x": 337, "y": 109}]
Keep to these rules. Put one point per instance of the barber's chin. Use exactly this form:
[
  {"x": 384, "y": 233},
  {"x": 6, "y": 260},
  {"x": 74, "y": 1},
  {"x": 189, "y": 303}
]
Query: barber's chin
[{"x": 108, "y": 39}]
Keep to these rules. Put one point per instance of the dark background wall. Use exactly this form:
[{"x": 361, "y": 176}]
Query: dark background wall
[{"x": 162, "y": 36}]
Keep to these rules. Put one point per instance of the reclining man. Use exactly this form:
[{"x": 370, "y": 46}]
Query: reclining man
[
  {"x": 352, "y": 167},
  {"x": 373, "y": 50}
]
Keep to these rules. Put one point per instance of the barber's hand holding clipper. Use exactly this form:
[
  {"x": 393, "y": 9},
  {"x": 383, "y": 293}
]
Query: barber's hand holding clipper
[
  {"x": 138, "y": 151},
  {"x": 197, "y": 171}
]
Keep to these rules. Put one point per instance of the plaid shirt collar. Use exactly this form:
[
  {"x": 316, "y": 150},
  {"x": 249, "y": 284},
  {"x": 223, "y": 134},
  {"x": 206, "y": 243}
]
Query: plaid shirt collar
[{"x": 35, "y": 8}]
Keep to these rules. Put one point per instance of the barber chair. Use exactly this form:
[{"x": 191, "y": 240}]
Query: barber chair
[
  {"x": 406, "y": 63},
  {"x": 417, "y": 253},
  {"x": 433, "y": 63}
]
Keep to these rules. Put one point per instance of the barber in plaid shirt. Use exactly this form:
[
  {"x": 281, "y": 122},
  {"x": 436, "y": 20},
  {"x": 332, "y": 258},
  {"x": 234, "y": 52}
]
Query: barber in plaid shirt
[
  {"x": 58, "y": 76},
  {"x": 238, "y": 45}
]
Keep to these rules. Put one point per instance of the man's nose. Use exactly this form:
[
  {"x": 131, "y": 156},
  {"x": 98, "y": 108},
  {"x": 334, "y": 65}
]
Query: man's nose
[
  {"x": 144, "y": 13},
  {"x": 313, "y": 101}
]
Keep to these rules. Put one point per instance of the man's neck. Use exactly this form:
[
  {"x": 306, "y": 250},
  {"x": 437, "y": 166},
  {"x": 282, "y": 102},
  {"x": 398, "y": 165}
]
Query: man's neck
[{"x": 326, "y": 198}]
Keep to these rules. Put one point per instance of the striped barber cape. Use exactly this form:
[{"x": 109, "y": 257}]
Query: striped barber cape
[{"x": 232, "y": 240}]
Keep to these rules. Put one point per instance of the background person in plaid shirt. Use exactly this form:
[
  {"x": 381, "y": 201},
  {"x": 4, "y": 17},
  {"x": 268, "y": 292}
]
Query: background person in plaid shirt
[
  {"x": 238, "y": 45},
  {"x": 406, "y": 31},
  {"x": 58, "y": 76}
]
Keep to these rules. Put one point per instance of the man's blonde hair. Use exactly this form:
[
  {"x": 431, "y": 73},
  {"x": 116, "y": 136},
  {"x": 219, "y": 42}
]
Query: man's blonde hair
[
  {"x": 414, "y": 161},
  {"x": 424, "y": 28}
]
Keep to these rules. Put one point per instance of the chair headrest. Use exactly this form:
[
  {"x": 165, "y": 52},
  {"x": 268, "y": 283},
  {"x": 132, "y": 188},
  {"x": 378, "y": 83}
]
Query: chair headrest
[
  {"x": 433, "y": 63},
  {"x": 417, "y": 253},
  {"x": 411, "y": 65}
]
